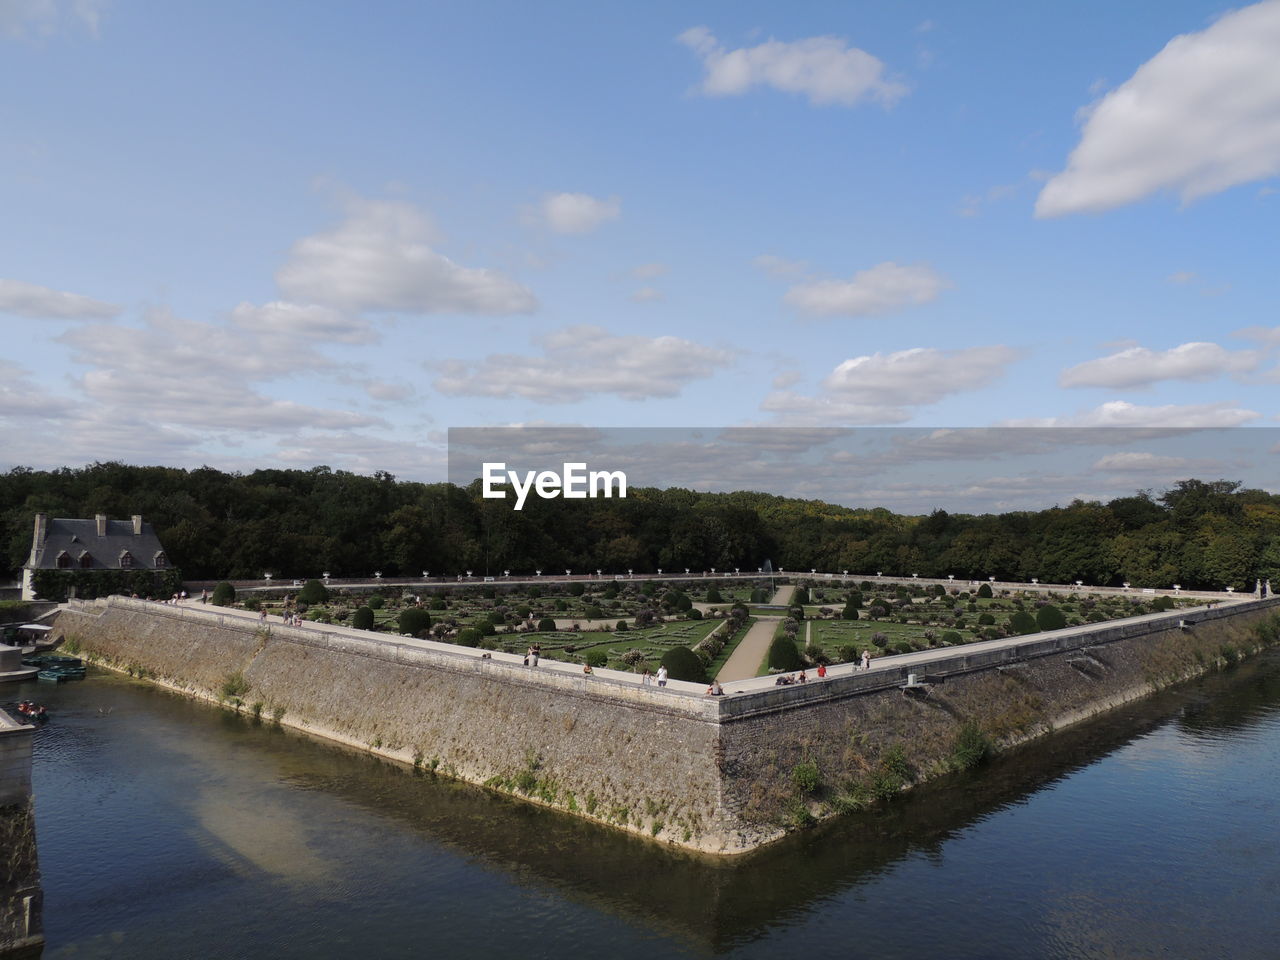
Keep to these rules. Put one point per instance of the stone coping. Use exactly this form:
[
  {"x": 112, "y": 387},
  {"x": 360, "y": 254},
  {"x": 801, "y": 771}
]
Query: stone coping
[{"x": 742, "y": 698}]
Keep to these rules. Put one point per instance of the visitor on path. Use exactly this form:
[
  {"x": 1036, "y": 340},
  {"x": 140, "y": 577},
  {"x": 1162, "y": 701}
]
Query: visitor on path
[
  {"x": 822, "y": 671},
  {"x": 204, "y": 596},
  {"x": 262, "y": 616},
  {"x": 866, "y": 659},
  {"x": 646, "y": 679},
  {"x": 662, "y": 676},
  {"x": 528, "y": 655},
  {"x": 802, "y": 678},
  {"x": 537, "y": 652},
  {"x": 586, "y": 668}
]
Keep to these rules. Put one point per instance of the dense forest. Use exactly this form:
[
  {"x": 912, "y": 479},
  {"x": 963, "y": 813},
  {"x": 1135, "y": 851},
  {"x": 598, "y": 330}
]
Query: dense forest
[{"x": 299, "y": 523}]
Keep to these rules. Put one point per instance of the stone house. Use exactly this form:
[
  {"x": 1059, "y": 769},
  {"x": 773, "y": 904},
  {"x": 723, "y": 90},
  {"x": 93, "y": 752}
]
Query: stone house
[{"x": 97, "y": 544}]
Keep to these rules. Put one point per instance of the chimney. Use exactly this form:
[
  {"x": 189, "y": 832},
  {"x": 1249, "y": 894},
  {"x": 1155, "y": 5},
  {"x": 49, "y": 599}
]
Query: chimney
[
  {"x": 137, "y": 524},
  {"x": 102, "y": 524},
  {"x": 42, "y": 528}
]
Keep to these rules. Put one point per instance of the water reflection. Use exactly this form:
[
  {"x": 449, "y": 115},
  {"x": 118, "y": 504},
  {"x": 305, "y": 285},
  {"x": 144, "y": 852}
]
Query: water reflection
[{"x": 192, "y": 816}]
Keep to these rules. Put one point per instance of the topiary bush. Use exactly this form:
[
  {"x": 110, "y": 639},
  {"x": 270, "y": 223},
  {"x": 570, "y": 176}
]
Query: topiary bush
[
  {"x": 313, "y": 591},
  {"x": 713, "y": 595},
  {"x": 783, "y": 655},
  {"x": 414, "y": 620},
  {"x": 468, "y": 637},
  {"x": 362, "y": 619},
  {"x": 375, "y": 602},
  {"x": 1050, "y": 617},
  {"x": 546, "y": 624},
  {"x": 224, "y": 594},
  {"x": 683, "y": 664},
  {"x": 1023, "y": 623},
  {"x": 597, "y": 658},
  {"x": 984, "y": 591},
  {"x": 693, "y": 613}
]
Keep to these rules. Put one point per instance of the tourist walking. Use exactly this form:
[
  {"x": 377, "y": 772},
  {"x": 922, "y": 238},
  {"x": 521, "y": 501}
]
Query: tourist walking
[
  {"x": 536, "y": 652},
  {"x": 662, "y": 676},
  {"x": 647, "y": 679},
  {"x": 866, "y": 659}
]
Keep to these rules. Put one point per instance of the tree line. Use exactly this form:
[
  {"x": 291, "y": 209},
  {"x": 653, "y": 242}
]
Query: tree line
[{"x": 300, "y": 523}]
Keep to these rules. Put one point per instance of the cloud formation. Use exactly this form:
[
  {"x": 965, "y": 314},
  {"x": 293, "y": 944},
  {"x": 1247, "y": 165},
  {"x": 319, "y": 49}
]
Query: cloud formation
[
  {"x": 1121, "y": 413},
  {"x": 585, "y": 360},
  {"x": 578, "y": 212},
  {"x": 42, "y": 303},
  {"x": 304, "y": 321},
  {"x": 825, "y": 69},
  {"x": 1141, "y": 367},
  {"x": 20, "y": 18},
  {"x": 886, "y": 388},
  {"x": 1200, "y": 116},
  {"x": 381, "y": 258},
  {"x": 885, "y": 288}
]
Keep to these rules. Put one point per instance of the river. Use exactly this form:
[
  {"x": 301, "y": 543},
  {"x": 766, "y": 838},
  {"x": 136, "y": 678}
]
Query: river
[{"x": 171, "y": 829}]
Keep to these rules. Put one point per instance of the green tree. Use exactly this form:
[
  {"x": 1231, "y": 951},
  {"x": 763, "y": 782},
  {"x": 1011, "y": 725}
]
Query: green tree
[
  {"x": 414, "y": 620},
  {"x": 683, "y": 664},
  {"x": 313, "y": 591},
  {"x": 783, "y": 654},
  {"x": 224, "y": 594}
]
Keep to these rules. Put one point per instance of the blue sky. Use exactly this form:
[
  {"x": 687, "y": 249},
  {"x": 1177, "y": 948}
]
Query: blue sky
[{"x": 292, "y": 234}]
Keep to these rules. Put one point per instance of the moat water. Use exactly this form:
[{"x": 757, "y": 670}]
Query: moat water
[{"x": 171, "y": 829}]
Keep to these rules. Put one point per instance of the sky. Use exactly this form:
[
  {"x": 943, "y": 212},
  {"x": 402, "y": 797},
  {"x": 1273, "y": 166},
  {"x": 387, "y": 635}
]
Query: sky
[{"x": 284, "y": 235}]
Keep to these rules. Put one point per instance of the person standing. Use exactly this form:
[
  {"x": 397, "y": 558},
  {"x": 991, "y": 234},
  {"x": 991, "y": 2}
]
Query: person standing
[
  {"x": 537, "y": 652},
  {"x": 662, "y": 676},
  {"x": 822, "y": 671},
  {"x": 866, "y": 659}
]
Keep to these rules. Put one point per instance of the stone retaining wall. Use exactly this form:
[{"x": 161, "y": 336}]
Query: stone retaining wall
[{"x": 716, "y": 775}]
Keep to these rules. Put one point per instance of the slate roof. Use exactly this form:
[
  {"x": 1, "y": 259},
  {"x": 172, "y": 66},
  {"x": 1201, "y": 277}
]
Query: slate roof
[{"x": 78, "y": 536}]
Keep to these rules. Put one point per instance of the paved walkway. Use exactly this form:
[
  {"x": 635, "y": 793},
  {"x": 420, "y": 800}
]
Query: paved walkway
[
  {"x": 783, "y": 596},
  {"x": 746, "y": 658}
]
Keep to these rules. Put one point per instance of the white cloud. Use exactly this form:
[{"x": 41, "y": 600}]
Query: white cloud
[
  {"x": 303, "y": 321},
  {"x": 584, "y": 360},
  {"x": 1120, "y": 413},
  {"x": 780, "y": 267},
  {"x": 884, "y": 288},
  {"x": 1135, "y": 462},
  {"x": 1267, "y": 336},
  {"x": 381, "y": 258},
  {"x": 1141, "y": 367},
  {"x": 42, "y": 303},
  {"x": 182, "y": 373},
  {"x": 19, "y": 18},
  {"x": 649, "y": 271},
  {"x": 1181, "y": 277},
  {"x": 646, "y": 295},
  {"x": 578, "y": 212},
  {"x": 1200, "y": 116},
  {"x": 886, "y": 388},
  {"x": 825, "y": 69}
]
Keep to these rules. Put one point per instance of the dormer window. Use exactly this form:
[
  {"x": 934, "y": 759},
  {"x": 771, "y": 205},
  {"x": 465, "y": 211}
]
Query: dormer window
[
  {"x": 86, "y": 560},
  {"x": 161, "y": 560},
  {"x": 126, "y": 559},
  {"x": 64, "y": 560}
]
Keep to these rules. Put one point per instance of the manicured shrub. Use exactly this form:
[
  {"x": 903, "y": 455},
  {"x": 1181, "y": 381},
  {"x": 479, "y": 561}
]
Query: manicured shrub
[
  {"x": 546, "y": 624},
  {"x": 849, "y": 653},
  {"x": 693, "y": 613},
  {"x": 224, "y": 594},
  {"x": 594, "y": 612},
  {"x": 375, "y": 602},
  {"x": 986, "y": 620},
  {"x": 622, "y": 625},
  {"x": 801, "y": 595},
  {"x": 713, "y": 595},
  {"x": 783, "y": 654},
  {"x": 576, "y": 589},
  {"x": 468, "y": 637},
  {"x": 437, "y": 603},
  {"x": 951, "y": 637},
  {"x": 414, "y": 620},
  {"x": 1023, "y": 623},
  {"x": 759, "y": 596},
  {"x": 362, "y": 619},
  {"x": 683, "y": 664},
  {"x": 597, "y": 658},
  {"x": 313, "y": 591},
  {"x": 1050, "y": 617}
]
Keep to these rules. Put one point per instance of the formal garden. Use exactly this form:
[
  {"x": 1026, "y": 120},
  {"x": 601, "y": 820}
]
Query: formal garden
[{"x": 624, "y": 625}]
